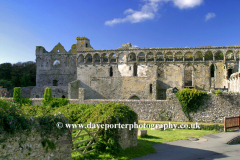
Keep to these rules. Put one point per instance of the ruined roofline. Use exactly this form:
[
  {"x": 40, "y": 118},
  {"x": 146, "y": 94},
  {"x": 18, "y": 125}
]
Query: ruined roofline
[{"x": 171, "y": 48}]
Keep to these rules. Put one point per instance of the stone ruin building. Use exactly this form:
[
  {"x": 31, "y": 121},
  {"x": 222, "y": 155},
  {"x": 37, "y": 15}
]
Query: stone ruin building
[{"x": 130, "y": 72}]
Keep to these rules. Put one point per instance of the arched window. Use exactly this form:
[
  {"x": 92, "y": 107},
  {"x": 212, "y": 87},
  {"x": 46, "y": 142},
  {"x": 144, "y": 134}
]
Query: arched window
[
  {"x": 134, "y": 97},
  {"x": 86, "y": 45},
  {"x": 188, "y": 72},
  {"x": 212, "y": 70},
  {"x": 150, "y": 57},
  {"x": 89, "y": 58},
  {"x": 81, "y": 59},
  {"x": 141, "y": 57},
  {"x": 63, "y": 96}
]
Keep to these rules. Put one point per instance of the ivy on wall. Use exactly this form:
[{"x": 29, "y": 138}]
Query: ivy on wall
[{"x": 191, "y": 100}]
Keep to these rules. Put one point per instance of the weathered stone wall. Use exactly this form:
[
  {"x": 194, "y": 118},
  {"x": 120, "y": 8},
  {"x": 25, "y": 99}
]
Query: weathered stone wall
[
  {"x": 214, "y": 109},
  {"x": 57, "y": 91},
  {"x": 24, "y": 146},
  {"x": 26, "y": 91},
  {"x": 73, "y": 90}
]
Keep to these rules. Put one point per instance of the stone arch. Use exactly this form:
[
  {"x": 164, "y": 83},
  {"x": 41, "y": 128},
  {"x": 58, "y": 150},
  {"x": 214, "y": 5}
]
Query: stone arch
[
  {"x": 179, "y": 56},
  {"x": 134, "y": 97},
  {"x": 141, "y": 57},
  {"x": 208, "y": 56},
  {"x": 229, "y": 55},
  {"x": 169, "y": 56},
  {"x": 96, "y": 58},
  {"x": 88, "y": 58},
  {"x": 132, "y": 57},
  {"x": 159, "y": 57},
  {"x": 150, "y": 57},
  {"x": 104, "y": 58},
  {"x": 219, "y": 55},
  {"x": 188, "y": 56},
  {"x": 188, "y": 76},
  {"x": 80, "y": 59},
  {"x": 198, "y": 56},
  {"x": 63, "y": 96},
  {"x": 113, "y": 58}
]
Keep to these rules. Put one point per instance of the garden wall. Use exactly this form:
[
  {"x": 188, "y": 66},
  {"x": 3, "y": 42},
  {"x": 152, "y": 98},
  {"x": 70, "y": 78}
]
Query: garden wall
[
  {"x": 215, "y": 108},
  {"x": 24, "y": 146}
]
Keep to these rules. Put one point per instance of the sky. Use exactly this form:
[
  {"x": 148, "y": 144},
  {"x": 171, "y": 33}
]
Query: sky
[{"x": 25, "y": 24}]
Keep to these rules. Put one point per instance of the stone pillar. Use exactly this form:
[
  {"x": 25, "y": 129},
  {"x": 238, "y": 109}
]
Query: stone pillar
[
  {"x": 81, "y": 94},
  {"x": 154, "y": 90}
]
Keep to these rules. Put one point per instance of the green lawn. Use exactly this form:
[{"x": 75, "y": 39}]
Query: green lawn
[{"x": 145, "y": 145}]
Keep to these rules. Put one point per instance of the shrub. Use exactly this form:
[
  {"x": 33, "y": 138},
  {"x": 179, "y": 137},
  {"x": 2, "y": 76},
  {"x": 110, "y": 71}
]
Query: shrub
[
  {"x": 191, "y": 100},
  {"x": 47, "y": 96},
  {"x": 110, "y": 113},
  {"x": 57, "y": 102},
  {"x": 17, "y": 94}
]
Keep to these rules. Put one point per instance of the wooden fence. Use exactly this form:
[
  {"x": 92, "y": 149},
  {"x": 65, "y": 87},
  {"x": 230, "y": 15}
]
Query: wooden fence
[
  {"x": 91, "y": 136},
  {"x": 231, "y": 123}
]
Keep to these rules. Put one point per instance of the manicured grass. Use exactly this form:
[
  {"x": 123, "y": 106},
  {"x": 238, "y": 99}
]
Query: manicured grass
[{"x": 145, "y": 145}]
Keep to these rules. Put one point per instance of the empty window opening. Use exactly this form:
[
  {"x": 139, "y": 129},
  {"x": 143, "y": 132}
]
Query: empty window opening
[
  {"x": 130, "y": 68},
  {"x": 150, "y": 88},
  {"x": 55, "y": 83},
  {"x": 230, "y": 71},
  {"x": 58, "y": 50},
  {"x": 212, "y": 70},
  {"x": 135, "y": 69},
  {"x": 111, "y": 72},
  {"x": 63, "y": 96},
  {"x": 37, "y": 96},
  {"x": 188, "y": 77},
  {"x": 86, "y": 45}
]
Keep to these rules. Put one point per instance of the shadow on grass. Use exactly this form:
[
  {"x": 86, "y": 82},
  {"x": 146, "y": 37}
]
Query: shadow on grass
[{"x": 149, "y": 137}]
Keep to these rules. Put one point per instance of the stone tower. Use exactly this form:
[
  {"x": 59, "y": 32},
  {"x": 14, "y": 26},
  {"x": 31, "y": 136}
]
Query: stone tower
[{"x": 83, "y": 44}]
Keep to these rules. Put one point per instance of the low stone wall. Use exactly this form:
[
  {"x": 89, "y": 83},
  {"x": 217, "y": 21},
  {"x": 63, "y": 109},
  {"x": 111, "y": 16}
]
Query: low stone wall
[
  {"x": 29, "y": 146},
  {"x": 214, "y": 109}
]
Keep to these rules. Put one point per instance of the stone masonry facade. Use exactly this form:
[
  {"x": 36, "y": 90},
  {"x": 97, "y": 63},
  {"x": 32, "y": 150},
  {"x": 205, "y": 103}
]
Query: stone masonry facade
[{"x": 131, "y": 72}]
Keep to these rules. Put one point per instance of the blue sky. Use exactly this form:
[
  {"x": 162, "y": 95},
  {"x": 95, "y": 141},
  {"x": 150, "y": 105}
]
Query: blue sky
[{"x": 25, "y": 24}]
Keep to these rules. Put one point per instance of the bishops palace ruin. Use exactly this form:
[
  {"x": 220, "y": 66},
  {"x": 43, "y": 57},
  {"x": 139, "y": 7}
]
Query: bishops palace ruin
[
  {"x": 131, "y": 72},
  {"x": 142, "y": 78}
]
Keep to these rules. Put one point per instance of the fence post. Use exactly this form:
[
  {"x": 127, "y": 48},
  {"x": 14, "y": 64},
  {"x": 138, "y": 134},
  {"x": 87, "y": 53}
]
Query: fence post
[
  {"x": 239, "y": 122},
  {"x": 225, "y": 124}
]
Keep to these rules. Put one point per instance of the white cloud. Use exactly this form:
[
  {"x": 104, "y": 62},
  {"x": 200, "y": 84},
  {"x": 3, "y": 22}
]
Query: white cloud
[
  {"x": 149, "y": 10},
  {"x": 183, "y": 4},
  {"x": 210, "y": 15}
]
